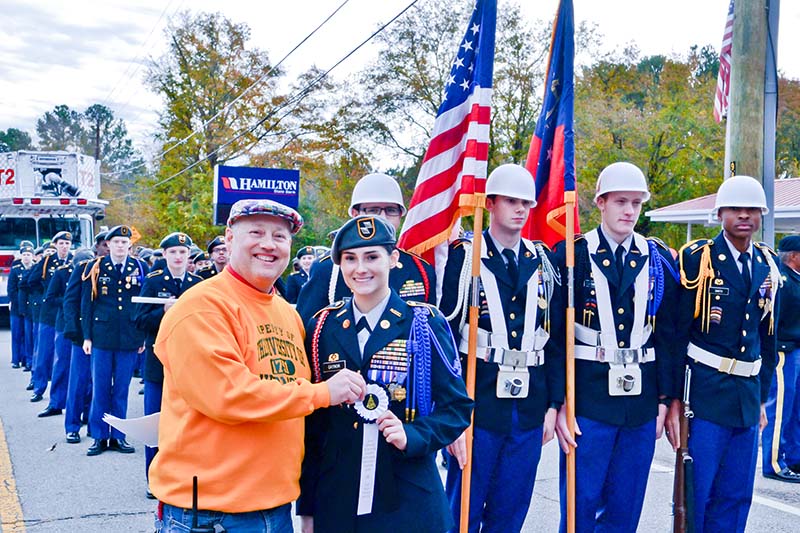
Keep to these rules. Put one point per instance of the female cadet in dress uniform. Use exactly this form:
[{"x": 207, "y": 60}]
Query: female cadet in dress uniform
[
  {"x": 168, "y": 283},
  {"x": 370, "y": 467}
]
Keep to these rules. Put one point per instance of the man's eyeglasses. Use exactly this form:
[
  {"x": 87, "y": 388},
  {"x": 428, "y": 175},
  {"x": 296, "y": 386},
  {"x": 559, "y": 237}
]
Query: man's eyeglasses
[{"x": 392, "y": 211}]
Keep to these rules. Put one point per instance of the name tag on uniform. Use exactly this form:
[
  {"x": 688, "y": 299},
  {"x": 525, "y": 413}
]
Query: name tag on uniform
[
  {"x": 333, "y": 366},
  {"x": 588, "y": 283},
  {"x": 719, "y": 291},
  {"x": 164, "y": 294}
]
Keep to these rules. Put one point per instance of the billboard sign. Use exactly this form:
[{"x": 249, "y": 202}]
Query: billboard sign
[{"x": 241, "y": 183}]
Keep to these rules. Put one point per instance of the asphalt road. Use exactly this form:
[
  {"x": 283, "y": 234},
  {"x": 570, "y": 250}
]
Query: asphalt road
[{"x": 49, "y": 486}]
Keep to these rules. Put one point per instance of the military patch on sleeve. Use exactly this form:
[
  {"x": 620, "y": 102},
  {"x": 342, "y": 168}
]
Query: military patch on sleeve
[{"x": 155, "y": 273}]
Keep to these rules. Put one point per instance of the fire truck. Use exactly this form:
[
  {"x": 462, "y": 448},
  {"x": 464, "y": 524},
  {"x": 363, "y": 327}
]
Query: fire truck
[{"x": 42, "y": 193}]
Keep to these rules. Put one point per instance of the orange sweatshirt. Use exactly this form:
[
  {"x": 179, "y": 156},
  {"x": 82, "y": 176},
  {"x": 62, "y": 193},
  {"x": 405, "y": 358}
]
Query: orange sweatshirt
[{"x": 236, "y": 389}]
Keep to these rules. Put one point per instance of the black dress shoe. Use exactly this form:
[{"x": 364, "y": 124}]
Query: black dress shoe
[
  {"x": 30, "y": 386},
  {"x": 50, "y": 411},
  {"x": 37, "y": 398},
  {"x": 73, "y": 437},
  {"x": 120, "y": 446},
  {"x": 787, "y": 475},
  {"x": 14, "y": 365},
  {"x": 26, "y": 369},
  {"x": 97, "y": 447},
  {"x": 150, "y": 495}
]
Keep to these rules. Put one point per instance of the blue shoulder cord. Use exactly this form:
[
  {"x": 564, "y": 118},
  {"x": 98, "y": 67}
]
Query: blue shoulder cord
[
  {"x": 419, "y": 341},
  {"x": 657, "y": 264}
]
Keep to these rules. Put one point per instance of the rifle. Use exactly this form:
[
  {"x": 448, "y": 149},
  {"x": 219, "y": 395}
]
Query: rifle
[{"x": 683, "y": 487}]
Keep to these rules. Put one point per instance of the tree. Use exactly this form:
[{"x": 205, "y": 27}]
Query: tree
[
  {"x": 13, "y": 139},
  {"x": 60, "y": 129}
]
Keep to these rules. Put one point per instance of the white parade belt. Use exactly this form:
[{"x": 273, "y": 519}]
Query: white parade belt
[
  {"x": 501, "y": 356},
  {"x": 726, "y": 365},
  {"x": 618, "y": 356}
]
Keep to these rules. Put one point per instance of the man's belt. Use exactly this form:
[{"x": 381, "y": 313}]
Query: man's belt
[
  {"x": 617, "y": 356},
  {"x": 501, "y": 356},
  {"x": 726, "y": 365}
]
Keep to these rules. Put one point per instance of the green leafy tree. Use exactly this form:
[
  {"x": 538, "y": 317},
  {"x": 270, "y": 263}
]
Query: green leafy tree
[
  {"x": 13, "y": 139},
  {"x": 61, "y": 129}
]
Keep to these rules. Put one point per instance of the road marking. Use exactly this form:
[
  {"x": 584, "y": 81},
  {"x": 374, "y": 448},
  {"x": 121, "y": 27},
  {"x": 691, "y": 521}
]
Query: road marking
[
  {"x": 778, "y": 506},
  {"x": 11, "y": 519}
]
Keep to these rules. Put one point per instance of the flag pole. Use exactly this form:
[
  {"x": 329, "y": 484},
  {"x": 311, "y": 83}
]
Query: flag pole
[
  {"x": 474, "y": 306},
  {"x": 569, "y": 201}
]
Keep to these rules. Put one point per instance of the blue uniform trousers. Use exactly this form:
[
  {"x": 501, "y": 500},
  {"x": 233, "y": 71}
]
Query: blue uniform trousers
[
  {"x": 503, "y": 475},
  {"x": 780, "y": 440},
  {"x": 79, "y": 389},
  {"x": 724, "y": 472},
  {"x": 17, "y": 339},
  {"x": 35, "y": 329},
  {"x": 43, "y": 358},
  {"x": 152, "y": 404},
  {"x": 277, "y": 520},
  {"x": 111, "y": 378},
  {"x": 612, "y": 464},
  {"x": 29, "y": 331},
  {"x": 60, "y": 377}
]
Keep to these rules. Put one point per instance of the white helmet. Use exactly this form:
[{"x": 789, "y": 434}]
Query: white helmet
[
  {"x": 741, "y": 191},
  {"x": 377, "y": 188},
  {"x": 621, "y": 177},
  {"x": 513, "y": 181}
]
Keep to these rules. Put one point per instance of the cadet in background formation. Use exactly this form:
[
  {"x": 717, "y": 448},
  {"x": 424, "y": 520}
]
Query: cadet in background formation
[
  {"x": 218, "y": 254},
  {"x": 110, "y": 336},
  {"x": 19, "y": 346},
  {"x": 727, "y": 323},
  {"x": 780, "y": 440},
  {"x": 377, "y": 457},
  {"x": 39, "y": 280},
  {"x": 168, "y": 283},
  {"x": 625, "y": 293},
  {"x": 305, "y": 258},
  {"x": 519, "y": 383},
  {"x": 412, "y": 278}
]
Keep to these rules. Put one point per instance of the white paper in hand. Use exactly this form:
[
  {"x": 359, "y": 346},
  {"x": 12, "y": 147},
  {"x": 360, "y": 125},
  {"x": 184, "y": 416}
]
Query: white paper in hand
[{"x": 144, "y": 429}]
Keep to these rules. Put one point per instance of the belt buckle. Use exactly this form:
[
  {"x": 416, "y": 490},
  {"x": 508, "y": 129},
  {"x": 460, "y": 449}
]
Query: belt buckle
[
  {"x": 626, "y": 356},
  {"x": 515, "y": 358},
  {"x": 727, "y": 365}
]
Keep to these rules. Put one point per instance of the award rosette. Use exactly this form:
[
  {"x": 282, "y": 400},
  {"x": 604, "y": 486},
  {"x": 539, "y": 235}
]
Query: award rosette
[{"x": 374, "y": 404}]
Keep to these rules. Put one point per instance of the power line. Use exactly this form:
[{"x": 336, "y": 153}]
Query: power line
[
  {"x": 232, "y": 102},
  {"x": 296, "y": 99}
]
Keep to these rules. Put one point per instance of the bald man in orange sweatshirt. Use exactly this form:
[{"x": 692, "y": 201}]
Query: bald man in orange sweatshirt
[{"x": 237, "y": 386}]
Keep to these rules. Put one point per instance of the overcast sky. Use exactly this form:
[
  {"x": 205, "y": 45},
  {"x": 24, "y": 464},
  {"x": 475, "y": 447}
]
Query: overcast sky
[{"x": 79, "y": 52}]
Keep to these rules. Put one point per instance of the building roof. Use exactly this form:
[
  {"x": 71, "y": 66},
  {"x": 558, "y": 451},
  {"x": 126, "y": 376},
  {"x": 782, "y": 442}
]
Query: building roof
[{"x": 701, "y": 210}]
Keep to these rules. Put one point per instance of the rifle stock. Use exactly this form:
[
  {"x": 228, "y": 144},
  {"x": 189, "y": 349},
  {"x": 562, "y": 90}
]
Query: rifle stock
[{"x": 682, "y": 489}]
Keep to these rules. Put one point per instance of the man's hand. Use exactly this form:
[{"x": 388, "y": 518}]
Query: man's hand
[
  {"x": 306, "y": 524},
  {"x": 393, "y": 430},
  {"x": 170, "y": 303},
  {"x": 672, "y": 423},
  {"x": 562, "y": 431},
  {"x": 762, "y": 423},
  {"x": 87, "y": 347},
  {"x": 458, "y": 449},
  {"x": 346, "y": 386},
  {"x": 548, "y": 429}
]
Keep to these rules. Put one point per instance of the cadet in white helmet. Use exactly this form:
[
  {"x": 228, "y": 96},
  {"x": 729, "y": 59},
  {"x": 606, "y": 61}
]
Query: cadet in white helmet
[
  {"x": 519, "y": 384},
  {"x": 726, "y": 329},
  {"x": 412, "y": 278},
  {"x": 625, "y": 290}
]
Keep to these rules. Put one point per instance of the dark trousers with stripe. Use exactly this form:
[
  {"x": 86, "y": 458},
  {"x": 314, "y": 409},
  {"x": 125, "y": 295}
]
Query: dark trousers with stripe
[
  {"x": 43, "y": 358},
  {"x": 111, "y": 379},
  {"x": 60, "y": 377},
  {"x": 79, "y": 389},
  {"x": 780, "y": 440},
  {"x": 17, "y": 339},
  {"x": 152, "y": 404}
]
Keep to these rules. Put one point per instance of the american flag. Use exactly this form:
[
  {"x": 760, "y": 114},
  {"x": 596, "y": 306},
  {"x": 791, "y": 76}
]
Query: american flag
[
  {"x": 724, "y": 77},
  {"x": 454, "y": 166}
]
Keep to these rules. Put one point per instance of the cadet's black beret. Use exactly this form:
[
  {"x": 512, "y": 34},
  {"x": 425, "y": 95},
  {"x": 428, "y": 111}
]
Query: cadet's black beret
[
  {"x": 789, "y": 244},
  {"x": 39, "y": 250},
  {"x": 100, "y": 237},
  {"x": 62, "y": 236},
  {"x": 360, "y": 232},
  {"x": 144, "y": 253},
  {"x": 217, "y": 241},
  {"x": 305, "y": 250},
  {"x": 158, "y": 253},
  {"x": 176, "y": 239},
  {"x": 25, "y": 248},
  {"x": 82, "y": 255},
  {"x": 202, "y": 256},
  {"x": 119, "y": 231},
  {"x": 29, "y": 244}
]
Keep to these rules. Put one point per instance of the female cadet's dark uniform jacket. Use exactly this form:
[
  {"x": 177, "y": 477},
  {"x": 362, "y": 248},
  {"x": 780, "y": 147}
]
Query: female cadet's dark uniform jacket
[{"x": 408, "y": 490}]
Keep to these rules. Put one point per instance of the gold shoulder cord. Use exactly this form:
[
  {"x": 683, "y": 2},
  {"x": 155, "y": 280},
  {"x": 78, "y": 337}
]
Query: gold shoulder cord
[
  {"x": 94, "y": 273},
  {"x": 44, "y": 266},
  {"x": 775, "y": 283},
  {"x": 701, "y": 284}
]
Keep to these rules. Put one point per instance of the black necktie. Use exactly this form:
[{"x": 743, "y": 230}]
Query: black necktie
[
  {"x": 118, "y": 266},
  {"x": 744, "y": 259},
  {"x": 619, "y": 256},
  {"x": 178, "y": 282},
  {"x": 511, "y": 264},
  {"x": 363, "y": 324}
]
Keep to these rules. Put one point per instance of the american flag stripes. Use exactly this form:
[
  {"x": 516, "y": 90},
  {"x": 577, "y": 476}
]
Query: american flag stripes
[
  {"x": 454, "y": 166},
  {"x": 724, "y": 77}
]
